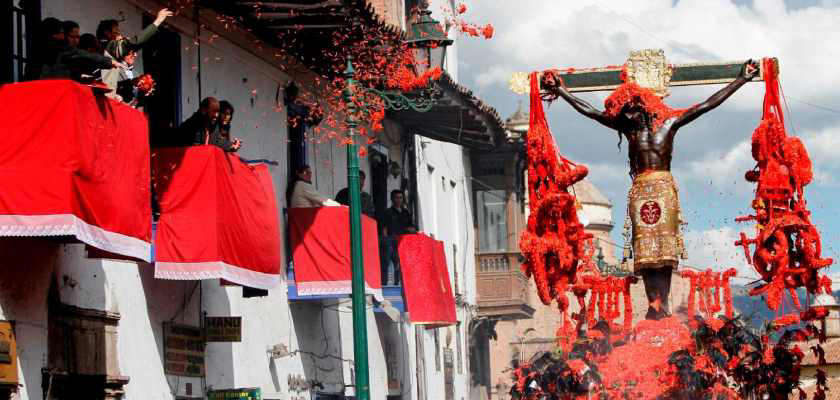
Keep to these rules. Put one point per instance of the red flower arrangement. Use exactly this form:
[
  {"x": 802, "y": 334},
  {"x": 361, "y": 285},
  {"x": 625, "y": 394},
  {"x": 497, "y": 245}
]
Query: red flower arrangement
[
  {"x": 710, "y": 285},
  {"x": 716, "y": 359},
  {"x": 554, "y": 242},
  {"x": 145, "y": 84},
  {"x": 706, "y": 357},
  {"x": 653, "y": 104},
  {"x": 788, "y": 246}
]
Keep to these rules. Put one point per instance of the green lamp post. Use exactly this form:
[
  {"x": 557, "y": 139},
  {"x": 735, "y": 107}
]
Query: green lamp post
[{"x": 428, "y": 41}]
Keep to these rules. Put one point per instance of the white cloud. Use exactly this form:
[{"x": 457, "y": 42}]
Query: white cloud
[
  {"x": 723, "y": 169},
  {"x": 823, "y": 146},
  {"x": 715, "y": 248},
  {"x": 537, "y": 34},
  {"x": 495, "y": 74}
]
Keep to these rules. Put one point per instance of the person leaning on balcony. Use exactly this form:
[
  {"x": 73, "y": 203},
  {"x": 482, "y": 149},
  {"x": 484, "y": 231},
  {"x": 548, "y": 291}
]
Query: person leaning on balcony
[
  {"x": 202, "y": 128},
  {"x": 221, "y": 134},
  {"x": 196, "y": 126},
  {"x": 343, "y": 197},
  {"x": 109, "y": 35},
  {"x": 301, "y": 193},
  {"x": 49, "y": 40},
  {"x": 56, "y": 58},
  {"x": 396, "y": 221}
]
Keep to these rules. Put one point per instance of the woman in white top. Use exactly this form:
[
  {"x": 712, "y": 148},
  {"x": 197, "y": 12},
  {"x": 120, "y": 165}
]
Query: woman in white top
[{"x": 303, "y": 194}]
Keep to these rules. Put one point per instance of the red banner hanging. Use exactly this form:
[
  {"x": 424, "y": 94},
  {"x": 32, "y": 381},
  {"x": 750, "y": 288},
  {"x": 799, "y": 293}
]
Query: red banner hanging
[
  {"x": 320, "y": 239},
  {"x": 74, "y": 164},
  {"x": 428, "y": 293},
  {"x": 218, "y": 218}
]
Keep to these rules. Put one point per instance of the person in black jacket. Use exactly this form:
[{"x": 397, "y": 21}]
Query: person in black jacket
[
  {"x": 203, "y": 128},
  {"x": 368, "y": 208},
  {"x": 396, "y": 221}
]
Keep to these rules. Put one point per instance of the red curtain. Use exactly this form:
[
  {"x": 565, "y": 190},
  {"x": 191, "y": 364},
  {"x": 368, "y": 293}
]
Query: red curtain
[
  {"x": 428, "y": 293},
  {"x": 218, "y": 218},
  {"x": 320, "y": 239},
  {"x": 74, "y": 164}
]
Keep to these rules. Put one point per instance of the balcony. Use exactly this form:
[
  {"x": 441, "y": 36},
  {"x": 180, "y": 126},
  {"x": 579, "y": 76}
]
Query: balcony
[{"x": 502, "y": 287}]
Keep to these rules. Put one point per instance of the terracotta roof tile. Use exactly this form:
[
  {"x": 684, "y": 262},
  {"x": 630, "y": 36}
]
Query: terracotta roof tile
[
  {"x": 469, "y": 97},
  {"x": 831, "y": 348},
  {"x": 833, "y": 392}
]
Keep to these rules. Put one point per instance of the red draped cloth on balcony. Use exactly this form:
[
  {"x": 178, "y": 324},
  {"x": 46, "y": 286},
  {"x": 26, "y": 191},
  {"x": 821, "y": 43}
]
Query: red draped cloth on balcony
[
  {"x": 74, "y": 164},
  {"x": 218, "y": 218},
  {"x": 428, "y": 293},
  {"x": 320, "y": 239}
]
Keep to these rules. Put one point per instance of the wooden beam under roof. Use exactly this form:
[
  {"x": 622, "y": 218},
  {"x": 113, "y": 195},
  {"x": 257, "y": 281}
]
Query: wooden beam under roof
[
  {"x": 291, "y": 15},
  {"x": 305, "y": 26},
  {"x": 293, "y": 6}
]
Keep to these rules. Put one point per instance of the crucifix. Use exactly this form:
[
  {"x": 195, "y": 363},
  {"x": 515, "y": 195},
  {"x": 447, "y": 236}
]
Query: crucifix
[{"x": 636, "y": 111}]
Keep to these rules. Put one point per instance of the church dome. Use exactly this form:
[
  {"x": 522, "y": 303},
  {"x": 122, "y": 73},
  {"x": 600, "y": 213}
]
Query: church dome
[
  {"x": 587, "y": 193},
  {"x": 596, "y": 207},
  {"x": 824, "y": 300}
]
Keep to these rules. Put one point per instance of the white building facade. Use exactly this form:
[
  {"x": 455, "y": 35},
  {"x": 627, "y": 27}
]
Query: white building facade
[{"x": 103, "y": 324}]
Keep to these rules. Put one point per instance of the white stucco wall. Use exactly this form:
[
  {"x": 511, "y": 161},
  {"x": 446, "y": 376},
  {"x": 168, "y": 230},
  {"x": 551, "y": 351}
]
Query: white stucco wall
[
  {"x": 24, "y": 282},
  {"x": 446, "y": 212}
]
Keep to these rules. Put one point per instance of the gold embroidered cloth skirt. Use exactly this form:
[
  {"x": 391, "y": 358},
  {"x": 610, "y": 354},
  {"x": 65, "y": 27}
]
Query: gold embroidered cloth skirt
[{"x": 654, "y": 208}]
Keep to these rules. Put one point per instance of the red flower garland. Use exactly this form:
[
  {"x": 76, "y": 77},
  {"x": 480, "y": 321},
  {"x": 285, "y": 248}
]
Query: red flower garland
[
  {"x": 708, "y": 282},
  {"x": 788, "y": 247},
  {"x": 554, "y": 243},
  {"x": 652, "y": 103}
]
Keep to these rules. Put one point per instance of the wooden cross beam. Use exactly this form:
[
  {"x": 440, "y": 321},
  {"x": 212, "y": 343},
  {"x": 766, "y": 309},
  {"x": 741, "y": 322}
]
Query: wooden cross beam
[{"x": 649, "y": 69}]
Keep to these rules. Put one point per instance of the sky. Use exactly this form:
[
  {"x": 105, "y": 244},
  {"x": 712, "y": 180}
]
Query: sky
[{"x": 712, "y": 153}]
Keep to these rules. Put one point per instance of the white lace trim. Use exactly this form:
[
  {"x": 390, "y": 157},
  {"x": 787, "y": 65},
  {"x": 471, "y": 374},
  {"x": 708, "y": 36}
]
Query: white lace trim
[
  {"x": 71, "y": 225},
  {"x": 316, "y": 288},
  {"x": 215, "y": 270}
]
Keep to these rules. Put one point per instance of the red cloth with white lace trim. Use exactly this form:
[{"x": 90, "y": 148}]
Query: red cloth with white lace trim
[
  {"x": 320, "y": 239},
  {"x": 74, "y": 164},
  {"x": 218, "y": 218}
]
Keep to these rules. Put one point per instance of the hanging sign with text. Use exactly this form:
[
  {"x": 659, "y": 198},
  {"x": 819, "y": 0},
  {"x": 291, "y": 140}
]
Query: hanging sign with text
[
  {"x": 235, "y": 394},
  {"x": 184, "y": 350},
  {"x": 223, "y": 329}
]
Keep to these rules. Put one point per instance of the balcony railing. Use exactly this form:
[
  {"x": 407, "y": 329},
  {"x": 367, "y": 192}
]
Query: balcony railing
[{"x": 502, "y": 287}]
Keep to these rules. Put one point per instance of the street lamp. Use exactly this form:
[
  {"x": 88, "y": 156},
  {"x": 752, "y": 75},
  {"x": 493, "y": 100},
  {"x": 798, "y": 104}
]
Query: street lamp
[
  {"x": 429, "y": 48},
  {"x": 428, "y": 41}
]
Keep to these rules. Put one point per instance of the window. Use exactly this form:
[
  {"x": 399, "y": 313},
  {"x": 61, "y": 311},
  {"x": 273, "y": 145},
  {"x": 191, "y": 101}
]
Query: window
[
  {"x": 162, "y": 59},
  {"x": 16, "y": 24},
  {"x": 492, "y": 221}
]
